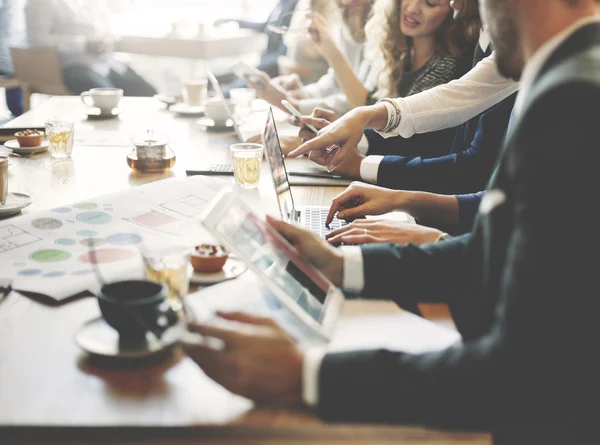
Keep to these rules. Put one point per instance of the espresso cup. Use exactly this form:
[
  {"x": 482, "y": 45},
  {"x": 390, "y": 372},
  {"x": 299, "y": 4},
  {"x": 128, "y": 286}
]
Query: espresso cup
[
  {"x": 104, "y": 98},
  {"x": 134, "y": 308},
  {"x": 195, "y": 92},
  {"x": 3, "y": 180},
  {"x": 215, "y": 110}
]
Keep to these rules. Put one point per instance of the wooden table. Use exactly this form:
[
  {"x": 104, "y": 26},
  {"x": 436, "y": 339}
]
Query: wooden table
[{"x": 50, "y": 392}]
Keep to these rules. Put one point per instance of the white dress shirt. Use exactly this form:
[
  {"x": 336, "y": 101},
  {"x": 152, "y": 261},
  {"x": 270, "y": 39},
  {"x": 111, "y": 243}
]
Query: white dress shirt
[
  {"x": 446, "y": 106},
  {"x": 326, "y": 93},
  {"x": 68, "y": 26},
  {"x": 353, "y": 274}
]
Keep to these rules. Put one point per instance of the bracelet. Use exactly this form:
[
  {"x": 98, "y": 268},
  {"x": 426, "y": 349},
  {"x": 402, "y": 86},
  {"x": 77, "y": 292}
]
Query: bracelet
[
  {"x": 443, "y": 237},
  {"x": 394, "y": 114}
]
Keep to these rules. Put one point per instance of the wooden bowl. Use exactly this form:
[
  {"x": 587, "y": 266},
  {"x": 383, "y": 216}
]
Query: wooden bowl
[
  {"x": 208, "y": 258},
  {"x": 30, "y": 138}
]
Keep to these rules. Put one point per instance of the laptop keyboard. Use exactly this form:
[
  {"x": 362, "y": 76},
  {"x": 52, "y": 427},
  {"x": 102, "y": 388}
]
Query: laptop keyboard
[{"x": 314, "y": 219}]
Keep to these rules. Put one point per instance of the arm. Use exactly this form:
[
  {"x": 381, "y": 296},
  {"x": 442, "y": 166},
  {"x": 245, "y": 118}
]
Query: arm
[
  {"x": 521, "y": 371},
  {"x": 468, "y": 168},
  {"x": 452, "y": 104},
  {"x": 468, "y": 205}
]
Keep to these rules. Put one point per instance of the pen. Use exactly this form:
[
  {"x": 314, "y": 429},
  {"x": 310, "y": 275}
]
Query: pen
[{"x": 316, "y": 175}]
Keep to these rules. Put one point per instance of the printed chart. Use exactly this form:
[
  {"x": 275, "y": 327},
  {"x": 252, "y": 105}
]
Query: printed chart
[{"x": 59, "y": 252}]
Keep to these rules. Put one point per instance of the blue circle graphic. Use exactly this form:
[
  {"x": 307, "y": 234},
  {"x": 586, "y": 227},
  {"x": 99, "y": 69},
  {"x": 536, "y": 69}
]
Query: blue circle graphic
[
  {"x": 30, "y": 272},
  {"x": 64, "y": 242},
  {"x": 124, "y": 239},
  {"x": 62, "y": 209},
  {"x": 94, "y": 218},
  {"x": 54, "y": 274},
  {"x": 83, "y": 272},
  {"x": 87, "y": 233}
]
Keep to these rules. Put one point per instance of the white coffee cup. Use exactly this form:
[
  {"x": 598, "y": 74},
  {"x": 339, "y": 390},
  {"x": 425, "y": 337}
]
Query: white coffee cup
[
  {"x": 3, "y": 179},
  {"x": 195, "y": 92},
  {"x": 215, "y": 110},
  {"x": 104, "y": 98}
]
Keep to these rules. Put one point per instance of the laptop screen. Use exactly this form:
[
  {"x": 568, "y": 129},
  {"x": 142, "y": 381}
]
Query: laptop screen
[
  {"x": 215, "y": 84},
  {"x": 277, "y": 167}
]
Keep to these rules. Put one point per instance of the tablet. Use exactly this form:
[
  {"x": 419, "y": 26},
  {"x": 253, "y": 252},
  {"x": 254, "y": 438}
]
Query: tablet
[{"x": 293, "y": 281}]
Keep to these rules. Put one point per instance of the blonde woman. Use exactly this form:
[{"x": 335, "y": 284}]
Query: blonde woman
[{"x": 411, "y": 46}]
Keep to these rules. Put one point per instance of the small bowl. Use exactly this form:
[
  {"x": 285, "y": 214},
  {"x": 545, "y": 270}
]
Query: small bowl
[
  {"x": 208, "y": 258},
  {"x": 30, "y": 140}
]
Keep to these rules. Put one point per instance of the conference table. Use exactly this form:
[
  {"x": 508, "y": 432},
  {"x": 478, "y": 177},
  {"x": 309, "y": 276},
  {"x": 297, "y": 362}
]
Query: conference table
[{"x": 51, "y": 392}]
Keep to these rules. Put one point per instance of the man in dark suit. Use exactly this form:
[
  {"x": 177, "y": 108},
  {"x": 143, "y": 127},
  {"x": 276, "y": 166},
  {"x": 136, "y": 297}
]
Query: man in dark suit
[{"x": 525, "y": 290}]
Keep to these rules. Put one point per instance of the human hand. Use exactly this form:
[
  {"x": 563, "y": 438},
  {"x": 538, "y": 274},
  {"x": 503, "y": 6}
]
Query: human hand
[
  {"x": 289, "y": 82},
  {"x": 344, "y": 133},
  {"x": 328, "y": 260},
  {"x": 320, "y": 33},
  {"x": 360, "y": 200},
  {"x": 366, "y": 231},
  {"x": 267, "y": 90},
  {"x": 258, "y": 359},
  {"x": 99, "y": 47},
  {"x": 319, "y": 118}
]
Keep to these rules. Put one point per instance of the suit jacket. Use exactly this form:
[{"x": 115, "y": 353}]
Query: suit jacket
[
  {"x": 467, "y": 165},
  {"x": 525, "y": 282}
]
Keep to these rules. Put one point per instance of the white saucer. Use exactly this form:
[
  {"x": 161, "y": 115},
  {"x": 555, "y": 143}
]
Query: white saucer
[
  {"x": 96, "y": 113},
  {"x": 15, "y": 202},
  {"x": 232, "y": 268},
  {"x": 98, "y": 338},
  {"x": 168, "y": 100},
  {"x": 13, "y": 144},
  {"x": 185, "y": 110},
  {"x": 210, "y": 124}
]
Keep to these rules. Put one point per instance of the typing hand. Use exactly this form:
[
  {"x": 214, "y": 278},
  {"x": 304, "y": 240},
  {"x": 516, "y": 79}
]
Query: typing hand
[
  {"x": 365, "y": 231},
  {"x": 360, "y": 200}
]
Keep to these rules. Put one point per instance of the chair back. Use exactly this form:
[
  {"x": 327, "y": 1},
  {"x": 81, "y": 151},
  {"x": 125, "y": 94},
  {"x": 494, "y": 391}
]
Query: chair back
[{"x": 38, "y": 69}]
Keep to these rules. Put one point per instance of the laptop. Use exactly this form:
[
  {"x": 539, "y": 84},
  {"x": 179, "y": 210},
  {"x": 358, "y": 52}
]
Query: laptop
[{"x": 311, "y": 217}]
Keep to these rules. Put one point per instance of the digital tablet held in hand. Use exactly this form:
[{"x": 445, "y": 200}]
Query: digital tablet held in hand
[
  {"x": 296, "y": 284},
  {"x": 243, "y": 71}
]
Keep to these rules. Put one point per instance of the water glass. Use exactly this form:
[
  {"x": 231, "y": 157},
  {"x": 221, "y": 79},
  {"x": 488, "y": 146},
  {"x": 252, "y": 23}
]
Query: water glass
[
  {"x": 246, "y": 164},
  {"x": 61, "y": 137},
  {"x": 242, "y": 98},
  {"x": 169, "y": 266}
]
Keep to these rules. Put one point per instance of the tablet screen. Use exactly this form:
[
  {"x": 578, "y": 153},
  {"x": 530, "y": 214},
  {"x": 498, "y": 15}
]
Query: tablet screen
[{"x": 275, "y": 258}]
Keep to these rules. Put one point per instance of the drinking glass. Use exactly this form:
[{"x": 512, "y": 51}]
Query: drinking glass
[
  {"x": 242, "y": 98},
  {"x": 61, "y": 137},
  {"x": 246, "y": 164},
  {"x": 171, "y": 267}
]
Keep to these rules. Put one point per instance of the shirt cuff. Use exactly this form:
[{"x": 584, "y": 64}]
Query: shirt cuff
[
  {"x": 353, "y": 280},
  {"x": 369, "y": 168},
  {"x": 363, "y": 145},
  {"x": 313, "y": 357}
]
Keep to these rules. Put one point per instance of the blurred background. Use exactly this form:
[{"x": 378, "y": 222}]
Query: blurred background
[{"x": 165, "y": 62}]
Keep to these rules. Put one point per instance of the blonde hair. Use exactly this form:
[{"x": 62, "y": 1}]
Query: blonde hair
[{"x": 387, "y": 48}]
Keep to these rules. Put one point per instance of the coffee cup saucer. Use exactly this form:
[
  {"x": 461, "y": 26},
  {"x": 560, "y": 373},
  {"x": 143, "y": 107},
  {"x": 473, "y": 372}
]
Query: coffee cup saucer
[
  {"x": 13, "y": 144},
  {"x": 210, "y": 124},
  {"x": 98, "y": 338},
  {"x": 15, "y": 202},
  {"x": 233, "y": 268},
  {"x": 98, "y": 113},
  {"x": 187, "y": 110}
]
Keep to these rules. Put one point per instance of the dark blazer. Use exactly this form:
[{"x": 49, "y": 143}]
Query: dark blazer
[
  {"x": 523, "y": 283},
  {"x": 467, "y": 165}
]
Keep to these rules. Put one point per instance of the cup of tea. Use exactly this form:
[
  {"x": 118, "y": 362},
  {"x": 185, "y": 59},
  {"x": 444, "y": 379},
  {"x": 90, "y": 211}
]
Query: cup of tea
[
  {"x": 104, "y": 98},
  {"x": 136, "y": 307},
  {"x": 215, "y": 111},
  {"x": 195, "y": 92},
  {"x": 3, "y": 179},
  {"x": 246, "y": 159}
]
